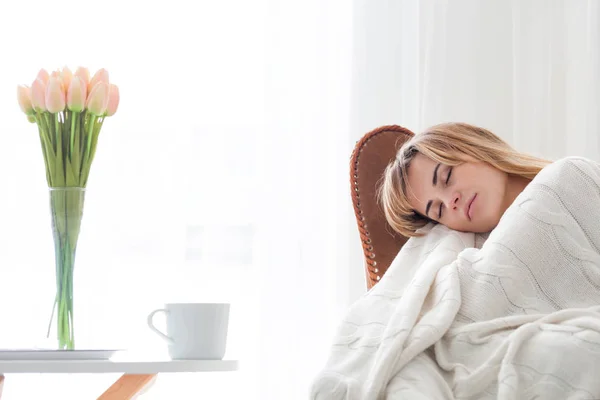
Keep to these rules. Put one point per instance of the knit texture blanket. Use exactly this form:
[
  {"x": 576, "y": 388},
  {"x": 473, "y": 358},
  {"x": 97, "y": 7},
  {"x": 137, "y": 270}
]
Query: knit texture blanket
[{"x": 515, "y": 318}]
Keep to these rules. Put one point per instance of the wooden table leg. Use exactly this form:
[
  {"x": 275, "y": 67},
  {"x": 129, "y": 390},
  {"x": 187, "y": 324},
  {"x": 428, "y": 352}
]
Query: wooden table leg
[
  {"x": 1, "y": 384},
  {"x": 127, "y": 387}
]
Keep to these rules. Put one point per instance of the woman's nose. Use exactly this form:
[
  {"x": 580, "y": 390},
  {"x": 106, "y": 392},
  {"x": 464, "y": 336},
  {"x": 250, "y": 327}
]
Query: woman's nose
[{"x": 454, "y": 200}]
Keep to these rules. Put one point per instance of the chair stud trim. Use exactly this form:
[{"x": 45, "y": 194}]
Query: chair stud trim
[{"x": 370, "y": 257}]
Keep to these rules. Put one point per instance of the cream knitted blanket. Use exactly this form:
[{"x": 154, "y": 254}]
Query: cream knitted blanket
[{"x": 516, "y": 318}]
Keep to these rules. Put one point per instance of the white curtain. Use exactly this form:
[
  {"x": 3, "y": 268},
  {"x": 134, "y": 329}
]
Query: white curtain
[
  {"x": 527, "y": 69},
  {"x": 223, "y": 176}
]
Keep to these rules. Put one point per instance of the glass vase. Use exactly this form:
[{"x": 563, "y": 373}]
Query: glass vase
[{"x": 66, "y": 208}]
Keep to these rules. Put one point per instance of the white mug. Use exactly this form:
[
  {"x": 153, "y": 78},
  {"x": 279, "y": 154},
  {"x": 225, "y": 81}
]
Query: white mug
[{"x": 195, "y": 331}]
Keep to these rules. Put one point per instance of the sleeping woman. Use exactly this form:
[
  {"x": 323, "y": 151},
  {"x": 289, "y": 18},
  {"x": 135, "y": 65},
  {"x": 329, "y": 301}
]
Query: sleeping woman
[
  {"x": 459, "y": 175},
  {"x": 517, "y": 317},
  {"x": 526, "y": 322}
]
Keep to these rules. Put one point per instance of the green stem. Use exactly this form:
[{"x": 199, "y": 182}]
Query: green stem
[
  {"x": 66, "y": 268},
  {"x": 89, "y": 135},
  {"x": 60, "y": 161},
  {"x": 65, "y": 288},
  {"x": 69, "y": 254},
  {"x": 76, "y": 147},
  {"x": 95, "y": 135},
  {"x": 61, "y": 312},
  {"x": 74, "y": 119},
  {"x": 64, "y": 322},
  {"x": 94, "y": 145},
  {"x": 45, "y": 154},
  {"x": 47, "y": 147},
  {"x": 92, "y": 129},
  {"x": 50, "y": 129}
]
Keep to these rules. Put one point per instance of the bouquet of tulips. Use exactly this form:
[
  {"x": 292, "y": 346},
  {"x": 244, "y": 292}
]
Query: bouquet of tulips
[{"x": 69, "y": 110}]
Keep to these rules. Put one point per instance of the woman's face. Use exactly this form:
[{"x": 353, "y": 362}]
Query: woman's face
[{"x": 470, "y": 197}]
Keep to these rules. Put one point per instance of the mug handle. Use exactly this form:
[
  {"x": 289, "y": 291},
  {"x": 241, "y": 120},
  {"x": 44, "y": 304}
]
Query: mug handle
[{"x": 154, "y": 328}]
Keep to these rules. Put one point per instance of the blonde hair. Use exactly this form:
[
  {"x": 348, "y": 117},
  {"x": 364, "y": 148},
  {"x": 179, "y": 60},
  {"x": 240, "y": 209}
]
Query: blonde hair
[{"x": 450, "y": 144}]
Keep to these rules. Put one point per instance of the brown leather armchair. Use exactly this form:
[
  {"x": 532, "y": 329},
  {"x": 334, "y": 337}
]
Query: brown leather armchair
[{"x": 370, "y": 157}]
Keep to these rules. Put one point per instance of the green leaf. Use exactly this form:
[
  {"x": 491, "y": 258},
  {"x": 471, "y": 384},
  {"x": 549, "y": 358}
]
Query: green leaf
[
  {"x": 50, "y": 128},
  {"x": 73, "y": 150},
  {"x": 71, "y": 179},
  {"x": 59, "y": 176}
]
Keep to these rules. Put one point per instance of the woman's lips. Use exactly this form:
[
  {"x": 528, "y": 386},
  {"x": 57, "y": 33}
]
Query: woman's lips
[{"x": 469, "y": 209}]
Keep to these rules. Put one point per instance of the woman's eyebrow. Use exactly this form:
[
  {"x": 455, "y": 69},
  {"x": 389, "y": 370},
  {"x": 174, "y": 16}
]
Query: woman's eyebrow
[
  {"x": 435, "y": 171},
  {"x": 434, "y": 181}
]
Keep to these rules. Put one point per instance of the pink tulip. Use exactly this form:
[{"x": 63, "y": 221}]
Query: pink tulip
[
  {"x": 66, "y": 76},
  {"x": 58, "y": 76},
  {"x": 55, "y": 96},
  {"x": 24, "y": 97},
  {"x": 100, "y": 76},
  {"x": 43, "y": 76},
  {"x": 38, "y": 95},
  {"x": 113, "y": 100},
  {"x": 97, "y": 100},
  {"x": 76, "y": 95},
  {"x": 84, "y": 74}
]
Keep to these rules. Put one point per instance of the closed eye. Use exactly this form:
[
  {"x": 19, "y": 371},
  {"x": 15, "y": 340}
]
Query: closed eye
[
  {"x": 446, "y": 183},
  {"x": 449, "y": 174}
]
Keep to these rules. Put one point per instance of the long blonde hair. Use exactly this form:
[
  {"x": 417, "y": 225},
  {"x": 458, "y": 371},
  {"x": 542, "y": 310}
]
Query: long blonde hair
[{"x": 450, "y": 144}]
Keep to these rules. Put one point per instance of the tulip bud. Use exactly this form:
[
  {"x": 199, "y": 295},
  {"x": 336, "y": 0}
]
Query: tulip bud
[
  {"x": 97, "y": 100},
  {"x": 84, "y": 74},
  {"x": 56, "y": 75},
  {"x": 24, "y": 97},
  {"x": 55, "y": 96},
  {"x": 113, "y": 100},
  {"x": 76, "y": 95},
  {"x": 66, "y": 76},
  {"x": 100, "y": 76},
  {"x": 43, "y": 76},
  {"x": 38, "y": 95}
]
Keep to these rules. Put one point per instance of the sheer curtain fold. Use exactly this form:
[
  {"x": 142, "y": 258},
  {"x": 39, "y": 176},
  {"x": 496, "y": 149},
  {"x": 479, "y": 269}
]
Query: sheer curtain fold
[{"x": 528, "y": 70}]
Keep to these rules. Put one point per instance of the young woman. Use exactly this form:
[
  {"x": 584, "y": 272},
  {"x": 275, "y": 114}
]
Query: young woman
[{"x": 455, "y": 174}]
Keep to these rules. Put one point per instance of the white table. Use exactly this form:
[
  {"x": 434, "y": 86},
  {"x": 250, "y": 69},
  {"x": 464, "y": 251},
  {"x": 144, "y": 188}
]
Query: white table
[{"x": 137, "y": 373}]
